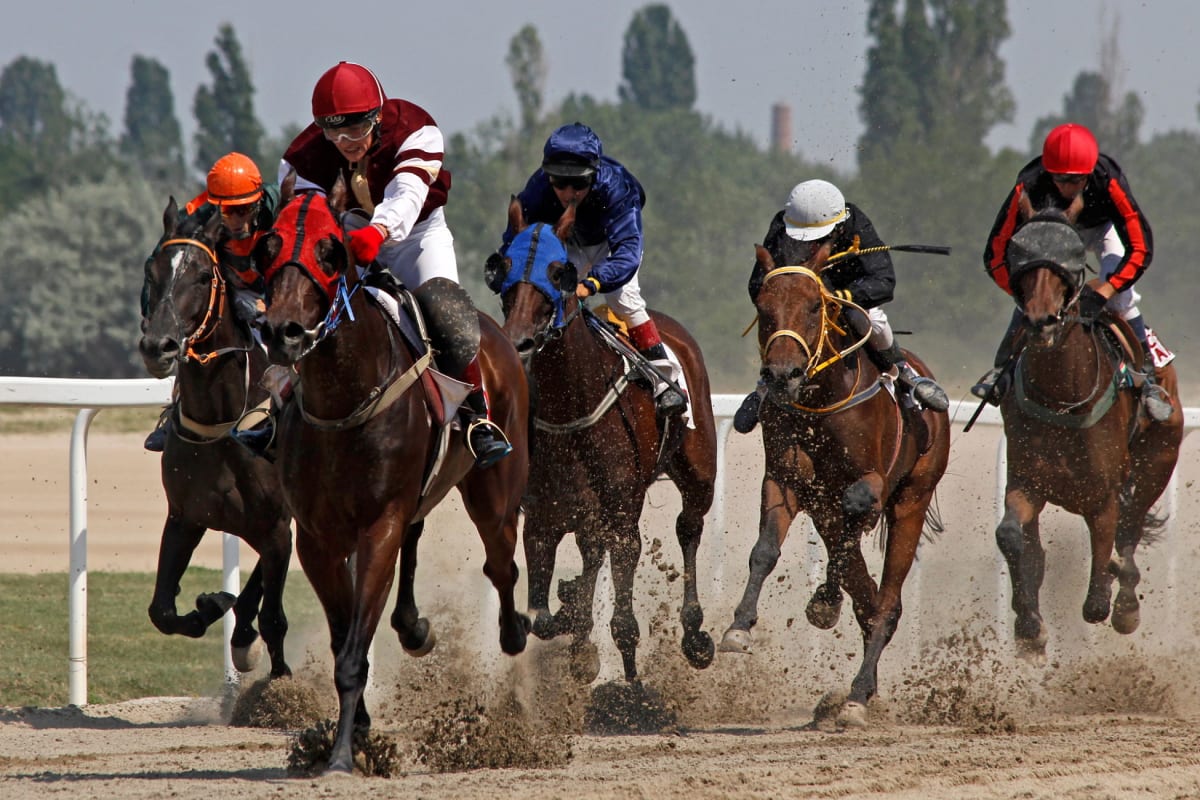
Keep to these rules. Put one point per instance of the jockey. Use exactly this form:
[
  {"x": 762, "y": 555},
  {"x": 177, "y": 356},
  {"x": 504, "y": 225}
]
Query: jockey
[
  {"x": 606, "y": 243},
  {"x": 1073, "y": 176},
  {"x": 234, "y": 189},
  {"x": 389, "y": 152},
  {"x": 817, "y": 223}
]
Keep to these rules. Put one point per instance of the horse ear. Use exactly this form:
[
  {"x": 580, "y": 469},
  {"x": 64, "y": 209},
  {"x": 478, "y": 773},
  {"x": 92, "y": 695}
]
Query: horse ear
[
  {"x": 568, "y": 278},
  {"x": 266, "y": 250},
  {"x": 170, "y": 216},
  {"x": 337, "y": 195},
  {"x": 331, "y": 255},
  {"x": 287, "y": 189},
  {"x": 562, "y": 228},
  {"x": 212, "y": 228},
  {"x": 516, "y": 215},
  {"x": 763, "y": 257}
]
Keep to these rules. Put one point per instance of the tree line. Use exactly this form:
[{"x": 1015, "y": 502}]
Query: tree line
[{"x": 80, "y": 206}]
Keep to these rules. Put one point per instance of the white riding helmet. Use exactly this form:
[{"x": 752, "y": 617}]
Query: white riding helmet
[{"x": 813, "y": 209}]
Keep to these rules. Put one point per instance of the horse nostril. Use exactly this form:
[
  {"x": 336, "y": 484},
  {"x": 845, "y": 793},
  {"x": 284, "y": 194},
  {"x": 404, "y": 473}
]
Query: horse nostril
[
  {"x": 292, "y": 331},
  {"x": 796, "y": 374},
  {"x": 526, "y": 346}
]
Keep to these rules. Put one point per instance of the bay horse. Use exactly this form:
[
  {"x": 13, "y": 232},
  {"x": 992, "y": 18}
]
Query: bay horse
[
  {"x": 597, "y": 447},
  {"x": 841, "y": 448},
  {"x": 1075, "y": 436},
  {"x": 211, "y": 481},
  {"x": 361, "y": 460}
]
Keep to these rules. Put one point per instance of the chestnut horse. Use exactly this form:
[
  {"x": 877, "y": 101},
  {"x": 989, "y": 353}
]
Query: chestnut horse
[
  {"x": 1075, "y": 437},
  {"x": 211, "y": 481},
  {"x": 839, "y": 447},
  {"x": 597, "y": 447},
  {"x": 362, "y": 463}
]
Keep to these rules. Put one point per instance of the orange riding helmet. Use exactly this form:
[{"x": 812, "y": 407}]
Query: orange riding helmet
[{"x": 234, "y": 181}]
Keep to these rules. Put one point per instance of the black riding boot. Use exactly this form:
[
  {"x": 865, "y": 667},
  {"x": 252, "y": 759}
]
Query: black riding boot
[
  {"x": 746, "y": 417},
  {"x": 259, "y": 440},
  {"x": 484, "y": 437},
  {"x": 994, "y": 383},
  {"x": 156, "y": 442},
  {"x": 925, "y": 391},
  {"x": 669, "y": 401}
]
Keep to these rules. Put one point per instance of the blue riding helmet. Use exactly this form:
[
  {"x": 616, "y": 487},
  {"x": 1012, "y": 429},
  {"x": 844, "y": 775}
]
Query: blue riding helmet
[
  {"x": 572, "y": 151},
  {"x": 532, "y": 251}
]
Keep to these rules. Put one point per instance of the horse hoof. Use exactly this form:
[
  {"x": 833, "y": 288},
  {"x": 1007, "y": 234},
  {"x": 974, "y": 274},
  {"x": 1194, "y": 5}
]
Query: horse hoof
[
  {"x": 699, "y": 649},
  {"x": 585, "y": 663},
  {"x": 853, "y": 715},
  {"x": 513, "y": 637},
  {"x": 737, "y": 640},
  {"x": 1032, "y": 651},
  {"x": 1096, "y": 610},
  {"x": 423, "y": 628},
  {"x": 828, "y": 710},
  {"x": 544, "y": 626},
  {"x": 1126, "y": 613},
  {"x": 245, "y": 659},
  {"x": 822, "y": 615},
  {"x": 212, "y": 606}
]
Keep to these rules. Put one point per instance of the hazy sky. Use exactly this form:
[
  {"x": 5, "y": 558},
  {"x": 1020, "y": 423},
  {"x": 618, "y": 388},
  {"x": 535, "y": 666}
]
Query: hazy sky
[{"x": 749, "y": 54}]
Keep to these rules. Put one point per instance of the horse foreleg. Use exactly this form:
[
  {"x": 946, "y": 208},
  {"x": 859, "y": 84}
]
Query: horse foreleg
[
  {"x": 178, "y": 543},
  {"x": 825, "y": 606},
  {"x": 272, "y": 622},
  {"x": 501, "y": 543},
  {"x": 1134, "y": 516},
  {"x": 697, "y": 645},
  {"x": 779, "y": 508},
  {"x": 623, "y": 626},
  {"x": 1020, "y": 543},
  {"x": 541, "y": 548},
  {"x": 1103, "y": 527},
  {"x": 415, "y": 632},
  {"x": 577, "y": 597},
  {"x": 245, "y": 642}
]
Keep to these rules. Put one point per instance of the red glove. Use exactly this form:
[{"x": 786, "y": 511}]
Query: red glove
[{"x": 364, "y": 244}]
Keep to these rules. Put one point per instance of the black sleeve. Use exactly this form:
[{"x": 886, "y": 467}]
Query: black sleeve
[{"x": 774, "y": 231}]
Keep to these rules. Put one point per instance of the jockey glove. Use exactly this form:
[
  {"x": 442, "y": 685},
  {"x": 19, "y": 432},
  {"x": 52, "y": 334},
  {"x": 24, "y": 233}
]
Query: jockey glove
[
  {"x": 1091, "y": 303},
  {"x": 365, "y": 242}
]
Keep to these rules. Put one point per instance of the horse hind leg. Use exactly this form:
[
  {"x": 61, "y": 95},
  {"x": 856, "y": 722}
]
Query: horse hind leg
[
  {"x": 623, "y": 625},
  {"x": 245, "y": 643},
  {"x": 577, "y": 597},
  {"x": 272, "y": 622},
  {"x": 697, "y": 644},
  {"x": 415, "y": 632}
]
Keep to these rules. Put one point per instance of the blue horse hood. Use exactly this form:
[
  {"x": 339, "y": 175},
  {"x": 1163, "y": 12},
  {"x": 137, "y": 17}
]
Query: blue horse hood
[{"x": 532, "y": 251}]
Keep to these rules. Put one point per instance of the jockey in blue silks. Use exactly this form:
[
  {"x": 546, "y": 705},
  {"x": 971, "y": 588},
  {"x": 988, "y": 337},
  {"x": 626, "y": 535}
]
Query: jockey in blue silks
[{"x": 606, "y": 242}]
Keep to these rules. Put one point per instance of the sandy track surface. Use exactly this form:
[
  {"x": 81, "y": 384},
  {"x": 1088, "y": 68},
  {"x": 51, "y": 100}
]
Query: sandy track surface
[{"x": 958, "y": 715}]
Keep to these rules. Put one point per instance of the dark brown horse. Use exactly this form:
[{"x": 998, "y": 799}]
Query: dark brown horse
[
  {"x": 211, "y": 481},
  {"x": 840, "y": 448},
  {"x": 361, "y": 461},
  {"x": 1075, "y": 437},
  {"x": 597, "y": 447}
]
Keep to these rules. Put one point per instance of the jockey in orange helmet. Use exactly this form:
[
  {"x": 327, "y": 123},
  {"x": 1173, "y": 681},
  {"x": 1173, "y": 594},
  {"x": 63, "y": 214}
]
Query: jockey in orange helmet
[
  {"x": 1073, "y": 176},
  {"x": 234, "y": 189}
]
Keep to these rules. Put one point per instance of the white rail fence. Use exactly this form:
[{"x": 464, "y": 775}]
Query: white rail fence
[{"x": 92, "y": 396}]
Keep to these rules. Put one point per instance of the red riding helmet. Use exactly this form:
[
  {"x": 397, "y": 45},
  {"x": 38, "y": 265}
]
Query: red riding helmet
[
  {"x": 1070, "y": 149},
  {"x": 234, "y": 180},
  {"x": 345, "y": 94}
]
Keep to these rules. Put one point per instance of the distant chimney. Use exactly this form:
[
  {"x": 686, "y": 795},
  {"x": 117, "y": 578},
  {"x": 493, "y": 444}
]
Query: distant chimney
[{"x": 781, "y": 128}]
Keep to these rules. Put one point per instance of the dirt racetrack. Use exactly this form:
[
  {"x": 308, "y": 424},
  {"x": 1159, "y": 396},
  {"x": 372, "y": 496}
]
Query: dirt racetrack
[{"x": 1106, "y": 716}]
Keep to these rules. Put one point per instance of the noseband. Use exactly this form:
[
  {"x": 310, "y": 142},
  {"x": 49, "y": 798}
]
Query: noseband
[
  {"x": 829, "y": 323},
  {"x": 212, "y": 315}
]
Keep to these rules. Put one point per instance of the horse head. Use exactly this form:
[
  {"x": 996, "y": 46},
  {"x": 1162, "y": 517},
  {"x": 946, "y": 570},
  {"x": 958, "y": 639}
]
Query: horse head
[
  {"x": 797, "y": 320},
  {"x": 185, "y": 291},
  {"x": 1046, "y": 261},
  {"x": 536, "y": 281},
  {"x": 306, "y": 257}
]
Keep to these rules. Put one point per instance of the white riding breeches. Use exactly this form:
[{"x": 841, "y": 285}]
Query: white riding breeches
[
  {"x": 626, "y": 300},
  {"x": 881, "y": 330},
  {"x": 427, "y": 252},
  {"x": 1105, "y": 242}
]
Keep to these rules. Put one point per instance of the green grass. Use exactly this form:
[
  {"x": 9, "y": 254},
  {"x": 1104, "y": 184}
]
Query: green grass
[{"x": 127, "y": 656}]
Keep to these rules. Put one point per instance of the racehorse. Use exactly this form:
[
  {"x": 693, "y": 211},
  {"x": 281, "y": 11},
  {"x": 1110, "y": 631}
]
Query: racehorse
[
  {"x": 361, "y": 460},
  {"x": 596, "y": 448},
  {"x": 211, "y": 481},
  {"x": 841, "y": 448},
  {"x": 1075, "y": 436}
]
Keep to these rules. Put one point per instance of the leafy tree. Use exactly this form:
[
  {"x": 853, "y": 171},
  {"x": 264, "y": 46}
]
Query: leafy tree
[
  {"x": 152, "y": 138},
  {"x": 657, "y": 65},
  {"x": 527, "y": 69},
  {"x": 33, "y": 106},
  {"x": 224, "y": 111},
  {"x": 73, "y": 258}
]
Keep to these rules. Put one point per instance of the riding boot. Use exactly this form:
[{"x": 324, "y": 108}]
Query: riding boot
[
  {"x": 925, "y": 391},
  {"x": 668, "y": 401},
  {"x": 746, "y": 417},
  {"x": 487, "y": 442},
  {"x": 1154, "y": 397},
  {"x": 994, "y": 383},
  {"x": 156, "y": 442},
  {"x": 259, "y": 440}
]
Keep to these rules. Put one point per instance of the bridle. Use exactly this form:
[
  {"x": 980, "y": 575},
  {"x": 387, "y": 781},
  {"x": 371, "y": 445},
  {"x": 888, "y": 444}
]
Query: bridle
[
  {"x": 214, "y": 313},
  {"x": 831, "y": 308}
]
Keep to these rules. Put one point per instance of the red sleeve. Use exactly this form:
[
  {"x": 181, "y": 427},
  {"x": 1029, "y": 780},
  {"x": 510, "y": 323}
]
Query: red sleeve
[
  {"x": 1006, "y": 223},
  {"x": 1134, "y": 235}
]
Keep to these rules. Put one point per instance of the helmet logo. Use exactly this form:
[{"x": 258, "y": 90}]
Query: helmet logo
[{"x": 333, "y": 121}]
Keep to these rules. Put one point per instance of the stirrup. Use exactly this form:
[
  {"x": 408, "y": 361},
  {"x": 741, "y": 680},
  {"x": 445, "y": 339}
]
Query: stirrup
[
  {"x": 492, "y": 444},
  {"x": 983, "y": 389},
  {"x": 670, "y": 403},
  {"x": 1156, "y": 402},
  {"x": 929, "y": 394}
]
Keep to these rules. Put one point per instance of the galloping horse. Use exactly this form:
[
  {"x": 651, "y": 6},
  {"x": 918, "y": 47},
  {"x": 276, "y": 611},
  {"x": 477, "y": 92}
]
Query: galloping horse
[
  {"x": 362, "y": 462},
  {"x": 596, "y": 449},
  {"x": 1075, "y": 436},
  {"x": 211, "y": 481},
  {"x": 841, "y": 448}
]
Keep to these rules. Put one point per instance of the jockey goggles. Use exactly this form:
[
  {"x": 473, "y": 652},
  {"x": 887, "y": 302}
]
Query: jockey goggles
[
  {"x": 561, "y": 182},
  {"x": 1067, "y": 179},
  {"x": 351, "y": 133}
]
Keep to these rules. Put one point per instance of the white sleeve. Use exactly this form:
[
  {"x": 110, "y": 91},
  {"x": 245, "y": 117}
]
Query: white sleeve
[{"x": 405, "y": 194}]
